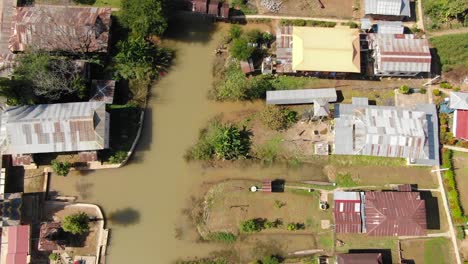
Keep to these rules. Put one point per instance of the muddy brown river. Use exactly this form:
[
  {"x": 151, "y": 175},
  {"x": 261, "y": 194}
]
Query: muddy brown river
[{"x": 147, "y": 196}]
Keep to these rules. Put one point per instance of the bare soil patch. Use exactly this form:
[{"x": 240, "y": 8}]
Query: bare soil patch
[
  {"x": 409, "y": 100},
  {"x": 312, "y": 8}
]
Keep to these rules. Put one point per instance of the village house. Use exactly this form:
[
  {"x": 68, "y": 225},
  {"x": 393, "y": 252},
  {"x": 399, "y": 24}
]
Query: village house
[
  {"x": 388, "y": 131},
  {"x": 15, "y": 248},
  {"x": 317, "y": 50},
  {"x": 359, "y": 258},
  {"x": 319, "y": 97},
  {"x": 387, "y": 9},
  {"x": 391, "y": 213},
  {"x": 459, "y": 102},
  {"x": 399, "y": 54},
  {"x": 68, "y": 127},
  {"x": 61, "y": 28}
]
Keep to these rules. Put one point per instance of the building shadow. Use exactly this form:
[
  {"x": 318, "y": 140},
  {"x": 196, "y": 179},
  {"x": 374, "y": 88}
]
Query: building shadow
[
  {"x": 432, "y": 210},
  {"x": 191, "y": 27},
  {"x": 436, "y": 64},
  {"x": 124, "y": 217},
  {"x": 386, "y": 253}
]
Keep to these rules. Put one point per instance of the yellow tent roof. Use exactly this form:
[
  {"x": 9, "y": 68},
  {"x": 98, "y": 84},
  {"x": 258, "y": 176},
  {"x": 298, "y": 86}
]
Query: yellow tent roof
[{"x": 326, "y": 49}]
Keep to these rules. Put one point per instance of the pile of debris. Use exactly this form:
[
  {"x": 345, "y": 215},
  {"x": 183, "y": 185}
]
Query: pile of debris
[{"x": 272, "y": 5}]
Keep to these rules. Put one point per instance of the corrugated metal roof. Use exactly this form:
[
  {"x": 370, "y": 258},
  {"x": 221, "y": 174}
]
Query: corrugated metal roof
[
  {"x": 359, "y": 258},
  {"x": 55, "y": 128},
  {"x": 347, "y": 212},
  {"x": 395, "y": 214},
  {"x": 460, "y": 124},
  {"x": 459, "y": 100},
  {"x": 213, "y": 8},
  {"x": 326, "y": 49},
  {"x": 360, "y": 101},
  {"x": 65, "y": 28},
  {"x": 301, "y": 96},
  {"x": 395, "y": 53},
  {"x": 390, "y": 27},
  {"x": 284, "y": 49},
  {"x": 18, "y": 244},
  {"x": 388, "y": 7},
  {"x": 386, "y": 131},
  {"x": 102, "y": 91}
]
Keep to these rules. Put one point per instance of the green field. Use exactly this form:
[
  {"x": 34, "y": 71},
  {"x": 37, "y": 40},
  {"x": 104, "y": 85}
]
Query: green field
[{"x": 452, "y": 50}]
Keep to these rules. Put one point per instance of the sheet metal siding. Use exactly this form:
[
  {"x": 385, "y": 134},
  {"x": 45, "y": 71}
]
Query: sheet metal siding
[
  {"x": 459, "y": 100},
  {"x": 388, "y": 7},
  {"x": 304, "y": 96},
  {"x": 395, "y": 214},
  {"x": 73, "y": 29},
  {"x": 55, "y": 128}
]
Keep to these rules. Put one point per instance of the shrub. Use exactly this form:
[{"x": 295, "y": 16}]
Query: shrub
[
  {"x": 279, "y": 204},
  {"x": 76, "y": 224},
  {"x": 118, "y": 157},
  {"x": 270, "y": 260},
  {"x": 292, "y": 226},
  {"x": 446, "y": 85},
  {"x": 144, "y": 17},
  {"x": 456, "y": 89},
  {"x": 345, "y": 180},
  {"x": 268, "y": 152},
  {"x": 278, "y": 118},
  {"x": 450, "y": 185},
  {"x": 221, "y": 141},
  {"x": 250, "y": 226},
  {"x": 404, "y": 89},
  {"x": 53, "y": 256},
  {"x": 423, "y": 90},
  {"x": 436, "y": 92},
  {"x": 241, "y": 50},
  {"x": 61, "y": 168},
  {"x": 225, "y": 237},
  {"x": 461, "y": 232},
  {"x": 235, "y": 32}
]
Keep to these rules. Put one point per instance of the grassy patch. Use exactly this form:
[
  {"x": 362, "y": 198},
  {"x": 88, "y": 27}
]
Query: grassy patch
[
  {"x": 358, "y": 160},
  {"x": 268, "y": 152},
  {"x": 225, "y": 237},
  {"x": 345, "y": 180},
  {"x": 432, "y": 251},
  {"x": 452, "y": 50},
  {"x": 306, "y": 23},
  {"x": 450, "y": 186}
]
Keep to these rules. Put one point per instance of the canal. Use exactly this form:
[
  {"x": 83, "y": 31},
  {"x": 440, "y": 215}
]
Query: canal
[{"x": 147, "y": 197}]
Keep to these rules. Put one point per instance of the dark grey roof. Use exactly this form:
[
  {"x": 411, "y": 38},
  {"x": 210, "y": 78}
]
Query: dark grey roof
[{"x": 388, "y": 7}]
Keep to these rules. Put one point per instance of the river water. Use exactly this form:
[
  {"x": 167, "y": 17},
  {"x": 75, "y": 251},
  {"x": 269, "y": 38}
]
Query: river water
[{"x": 147, "y": 196}]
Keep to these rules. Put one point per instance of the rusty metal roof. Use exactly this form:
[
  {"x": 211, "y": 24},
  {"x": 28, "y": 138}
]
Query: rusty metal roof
[
  {"x": 395, "y": 214},
  {"x": 200, "y": 6},
  {"x": 213, "y": 8},
  {"x": 55, "y": 128},
  {"x": 347, "y": 212},
  {"x": 284, "y": 49},
  {"x": 359, "y": 258},
  {"x": 51, "y": 237},
  {"x": 64, "y": 28},
  {"x": 400, "y": 53}
]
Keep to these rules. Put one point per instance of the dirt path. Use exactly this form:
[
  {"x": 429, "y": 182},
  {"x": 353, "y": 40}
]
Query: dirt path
[
  {"x": 448, "y": 32},
  {"x": 451, "y": 231},
  {"x": 456, "y": 148},
  {"x": 293, "y": 17}
]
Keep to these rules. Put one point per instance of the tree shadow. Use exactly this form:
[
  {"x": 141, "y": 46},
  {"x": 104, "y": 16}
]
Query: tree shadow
[
  {"x": 124, "y": 217},
  {"x": 432, "y": 210}
]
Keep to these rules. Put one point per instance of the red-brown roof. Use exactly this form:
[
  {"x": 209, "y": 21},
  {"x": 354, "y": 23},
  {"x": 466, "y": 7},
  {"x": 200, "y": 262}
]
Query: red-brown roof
[
  {"x": 461, "y": 130},
  {"x": 395, "y": 214},
  {"x": 200, "y": 6},
  {"x": 64, "y": 28},
  {"x": 213, "y": 8},
  {"x": 18, "y": 244},
  {"x": 224, "y": 10},
  {"x": 347, "y": 215},
  {"x": 50, "y": 237},
  {"x": 359, "y": 258}
]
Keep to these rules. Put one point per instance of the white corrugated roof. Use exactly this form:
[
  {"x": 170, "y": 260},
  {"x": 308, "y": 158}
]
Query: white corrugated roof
[
  {"x": 301, "y": 96},
  {"x": 459, "y": 100}
]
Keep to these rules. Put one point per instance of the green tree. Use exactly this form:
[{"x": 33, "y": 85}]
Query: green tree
[
  {"x": 241, "y": 49},
  {"x": 76, "y": 224},
  {"x": 61, "y": 168},
  {"x": 436, "y": 92},
  {"x": 49, "y": 77},
  {"x": 278, "y": 118},
  {"x": 231, "y": 142},
  {"x": 235, "y": 32},
  {"x": 250, "y": 226},
  {"x": 292, "y": 226},
  {"x": 144, "y": 17},
  {"x": 118, "y": 157},
  {"x": 404, "y": 89},
  {"x": 17, "y": 92},
  {"x": 140, "y": 59},
  {"x": 53, "y": 256}
]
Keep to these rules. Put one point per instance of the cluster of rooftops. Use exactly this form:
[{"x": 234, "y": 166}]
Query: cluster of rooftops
[{"x": 342, "y": 49}]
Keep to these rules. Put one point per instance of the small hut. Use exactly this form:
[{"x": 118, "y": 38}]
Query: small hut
[
  {"x": 213, "y": 8},
  {"x": 224, "y": 11},
  {"x": 200, "y": 6}
]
